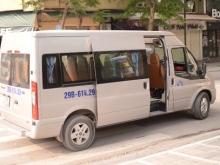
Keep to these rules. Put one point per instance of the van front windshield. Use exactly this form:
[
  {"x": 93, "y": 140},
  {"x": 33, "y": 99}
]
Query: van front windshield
[{"x": 14, "y": 69}]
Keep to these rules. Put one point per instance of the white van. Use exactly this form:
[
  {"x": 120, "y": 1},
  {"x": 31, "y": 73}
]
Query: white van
[{"x": 65, "y": 84}]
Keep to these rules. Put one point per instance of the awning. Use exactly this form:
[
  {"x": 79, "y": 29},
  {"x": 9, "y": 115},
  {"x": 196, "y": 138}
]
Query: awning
[
  {"x": 199, "y": 17},
  {"x": 17, "y": 19},
  {"x": 189, "y": 16}
]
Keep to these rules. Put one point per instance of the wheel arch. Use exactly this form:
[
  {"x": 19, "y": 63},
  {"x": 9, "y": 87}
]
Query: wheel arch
[
  {"x": 193, "y": 100},
  {"x": 79, "y": 112}
]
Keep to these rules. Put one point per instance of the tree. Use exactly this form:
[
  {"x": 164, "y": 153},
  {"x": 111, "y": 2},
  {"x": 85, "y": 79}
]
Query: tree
[
  {"x": 76, "y": 8},
  {"x": 216, "y": 4},
  {"x": 164, "y": 10}
]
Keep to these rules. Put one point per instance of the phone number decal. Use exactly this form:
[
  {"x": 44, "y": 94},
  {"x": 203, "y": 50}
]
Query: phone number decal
[
  {"x": 14, "y": 90},
  {"x": 80, "y": 93}
]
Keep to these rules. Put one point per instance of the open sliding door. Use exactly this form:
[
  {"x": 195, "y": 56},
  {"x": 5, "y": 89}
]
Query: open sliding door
[{"x": 122, "y": 78}]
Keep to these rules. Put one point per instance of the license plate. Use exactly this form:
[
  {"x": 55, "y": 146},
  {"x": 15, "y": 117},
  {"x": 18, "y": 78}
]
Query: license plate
[{"x": 5, "y": 100}]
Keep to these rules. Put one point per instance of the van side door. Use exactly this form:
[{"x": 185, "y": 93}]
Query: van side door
[
  {"x": 122, "y": 78},
  {"x": 185, "y": 80}
]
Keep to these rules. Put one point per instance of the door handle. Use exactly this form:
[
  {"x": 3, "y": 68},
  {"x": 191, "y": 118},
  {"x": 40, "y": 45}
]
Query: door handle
[
  {"x": 145, "y": 85},
  {"x": 172, "y": 81}
]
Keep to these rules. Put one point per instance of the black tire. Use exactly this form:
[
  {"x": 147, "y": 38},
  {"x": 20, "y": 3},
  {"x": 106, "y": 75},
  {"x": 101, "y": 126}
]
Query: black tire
[
  {"x": 201, "y": 106},
  {"x": 82, "y": 130}
]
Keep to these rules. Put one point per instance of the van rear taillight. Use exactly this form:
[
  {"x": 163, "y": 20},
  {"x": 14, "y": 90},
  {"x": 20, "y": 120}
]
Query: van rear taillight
[{"x": 35, "y": 114}]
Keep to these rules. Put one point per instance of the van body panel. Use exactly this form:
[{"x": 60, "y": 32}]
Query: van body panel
[
  {"x": 60, "y": 102},
  {"x": 117, "y": 102},
  {"x": 20, "y": 103},
  {"x": 172, "y": 41},
  {"x": 60, "y": 105},
  {"x": 123, "y": 95},
  {"x": 104, "y": 42},
  {"x": 183, "y": 94},
  {"x": 69, "y": 44},
  {"x": 208, "y": 83}
]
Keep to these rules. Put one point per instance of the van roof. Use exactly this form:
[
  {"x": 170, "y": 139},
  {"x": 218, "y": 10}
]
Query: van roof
[{"x": 97, "y": 32}]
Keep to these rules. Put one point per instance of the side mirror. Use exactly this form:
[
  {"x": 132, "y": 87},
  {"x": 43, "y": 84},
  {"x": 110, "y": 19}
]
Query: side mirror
[{"x": 202, "y": 70}]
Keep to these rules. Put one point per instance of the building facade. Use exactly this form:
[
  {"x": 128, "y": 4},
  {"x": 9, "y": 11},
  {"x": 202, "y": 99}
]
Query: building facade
[
  {"x": 50, "y": 16},
  {"x": 211, "y": 36},
  {"x": 198, "y": 23},
  {"x": 202, "y": 22}
]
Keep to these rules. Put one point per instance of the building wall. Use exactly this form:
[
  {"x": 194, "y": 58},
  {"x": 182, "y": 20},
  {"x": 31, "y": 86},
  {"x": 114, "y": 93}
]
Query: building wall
[
  {"x": 50, "y": 23},
  {"x": 104, "y": 4},
  {"x": 193, "y": 38},
  {"x": 10, "y": 5}
]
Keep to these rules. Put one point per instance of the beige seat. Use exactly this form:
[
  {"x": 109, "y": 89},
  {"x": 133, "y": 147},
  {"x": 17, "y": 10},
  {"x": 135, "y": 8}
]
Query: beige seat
[
  {"x": 82, "y": 68},
  {"x": 156, "y": 72},
  {"x": 17, "y": 73},
  {"x": 91, "y": 69},
  {"x": 140, "y": 65},
  {"x": 107, "y": 69},
  {"x": 66, "y": 77},
  {"x": 25, "y": 71},
  {"x": 71, "y": 68}
]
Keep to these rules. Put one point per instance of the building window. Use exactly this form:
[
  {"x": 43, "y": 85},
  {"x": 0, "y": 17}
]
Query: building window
[
  {"x": 195, "y": 6},
  {"x": 211, "y": 43}
]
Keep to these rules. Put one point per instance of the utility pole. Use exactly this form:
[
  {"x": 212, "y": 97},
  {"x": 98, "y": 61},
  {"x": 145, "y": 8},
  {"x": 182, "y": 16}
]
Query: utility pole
[{"x": 184, "y": 15}]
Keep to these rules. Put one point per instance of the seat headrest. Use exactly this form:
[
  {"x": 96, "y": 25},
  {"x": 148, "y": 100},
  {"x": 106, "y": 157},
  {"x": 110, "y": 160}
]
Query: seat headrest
[{"x": 154, "y": 58}]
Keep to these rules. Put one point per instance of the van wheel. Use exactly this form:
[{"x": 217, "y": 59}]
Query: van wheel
[
  {"x": 201, "y": 106},
  {"x": 79, "y": 133}
]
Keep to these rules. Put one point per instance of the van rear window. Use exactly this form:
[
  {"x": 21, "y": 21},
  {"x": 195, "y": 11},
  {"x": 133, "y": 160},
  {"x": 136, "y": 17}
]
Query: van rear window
[{"x": 14, "y": 69}]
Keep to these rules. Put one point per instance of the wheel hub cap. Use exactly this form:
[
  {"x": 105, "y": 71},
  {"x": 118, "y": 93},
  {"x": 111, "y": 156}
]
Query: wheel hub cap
[
  {"x": 204, "y": 106},
  {"x": 80, "y": 133}
]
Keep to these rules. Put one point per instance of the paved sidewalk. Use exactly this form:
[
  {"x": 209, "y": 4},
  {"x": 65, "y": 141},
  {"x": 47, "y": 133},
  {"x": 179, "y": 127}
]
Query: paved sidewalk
[
  {"x": 196, "y": 152},
  {"x": 198, "y": 149}
]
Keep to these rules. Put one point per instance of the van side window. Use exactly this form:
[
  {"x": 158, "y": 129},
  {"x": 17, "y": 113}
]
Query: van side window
[
  {"x": 67, "y": 69},
  {"x": 192, "y": 65},
  {"x": 77, "y": 67},
  {"x": 15, "y": 69},
  {"x": 51, "y": 71},
  {"x": 184, "y": 63},
  {"x": 121, "y": 65}
]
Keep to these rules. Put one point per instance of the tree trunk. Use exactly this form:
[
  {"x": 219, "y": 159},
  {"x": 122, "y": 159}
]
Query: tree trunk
[
  {"x": 80, "y": 18},
  {"x": 152, "y": 13},
  {"x": 64, "y": 15}
]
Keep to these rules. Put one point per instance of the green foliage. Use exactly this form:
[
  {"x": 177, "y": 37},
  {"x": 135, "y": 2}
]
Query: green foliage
[
  {"x": 216, "y": 4},
  {"x": 163, "y": 10},
  {"x": 99, "y": 16},
  {"x": 75, "y": 8},
  {"x": 78, "y": 7},
  {"x": 36, "y": 4}
]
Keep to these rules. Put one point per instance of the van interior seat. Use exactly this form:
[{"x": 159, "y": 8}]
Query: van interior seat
[
  {"x": 71, "y": 68},
  {"x": 17, "y": 73},
  {"x": 82, "y": 68},
  {"x": 156, "y": 72},
  {"x": 91, "y": 68},
  {"x": 141, "y": 65},
  {"x": 25, "y": 70},
  {"x": 107, "y": 69},
  {"x": 66, "y": 77}
]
